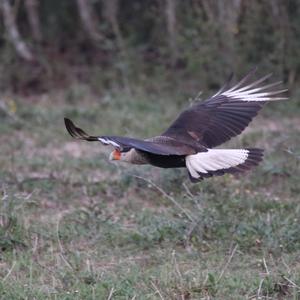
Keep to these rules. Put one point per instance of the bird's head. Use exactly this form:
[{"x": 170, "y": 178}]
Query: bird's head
[
  {"x": 118, "y": 155},
  {"x": 115, "y": 155}
]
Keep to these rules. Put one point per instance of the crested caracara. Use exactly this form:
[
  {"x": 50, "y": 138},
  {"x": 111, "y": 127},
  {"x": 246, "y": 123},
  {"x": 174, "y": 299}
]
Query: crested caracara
[{"x": 190, "y": 140}]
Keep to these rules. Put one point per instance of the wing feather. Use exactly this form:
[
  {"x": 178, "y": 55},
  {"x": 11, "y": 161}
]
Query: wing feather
[
  {"x": 124, "y": 143},
  {"x": 226, "y": 114}
]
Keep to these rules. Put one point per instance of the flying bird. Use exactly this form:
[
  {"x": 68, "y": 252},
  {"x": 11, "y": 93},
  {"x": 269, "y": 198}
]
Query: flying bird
[{"x": 190, "y": 140}]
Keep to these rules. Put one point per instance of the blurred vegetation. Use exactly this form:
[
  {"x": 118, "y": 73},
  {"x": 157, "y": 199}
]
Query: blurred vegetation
[
  {"x": 75, "y": 226},
  {"x": 124, "y": 44}
]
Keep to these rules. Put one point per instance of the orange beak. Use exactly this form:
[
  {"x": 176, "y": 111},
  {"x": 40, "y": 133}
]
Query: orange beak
[{"x": 115, "y": 155}]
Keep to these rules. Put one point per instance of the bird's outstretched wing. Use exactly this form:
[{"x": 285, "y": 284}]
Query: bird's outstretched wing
[
  {"x": 226, "y": 114},
  {"x": 126, "y": 143}
]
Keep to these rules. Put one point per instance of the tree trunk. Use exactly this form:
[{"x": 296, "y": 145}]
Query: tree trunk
[
  {"x": 111, "y": 8},
  {"x": 33, "y": 17},
  {"x": 88, "y": 20},
  {"x": 227, "y": 15},
  {"x": 170, "y": 11},
  {"x": 111, "y": 11},
  {"x": 13, "y": 32}
]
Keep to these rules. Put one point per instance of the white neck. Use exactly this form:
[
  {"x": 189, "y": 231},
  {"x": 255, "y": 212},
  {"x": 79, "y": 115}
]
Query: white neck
[{"x": 133, "y": 157}]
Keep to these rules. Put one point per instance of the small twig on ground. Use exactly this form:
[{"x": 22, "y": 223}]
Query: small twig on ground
[
  {"x": 35, "y": 243},
  {"x": 259, "y": 288},
  {"x": 188, "y": 191},
  {"x": 227, "y": 263},
  {"x": 157, "y": 290},
  {"x": 286, "y": 265},
  {"x": 10, "y": 270},
  {"x": 292, "y": 283},
  {"x": 167, "y": 196},
  {"x": 266, "y": 267},
  {"x": 190, "y": 232},
  {"x": 112, "y": 290},
  {"x": 176, "y": 264},
  {"x": 60, "y": 245}
]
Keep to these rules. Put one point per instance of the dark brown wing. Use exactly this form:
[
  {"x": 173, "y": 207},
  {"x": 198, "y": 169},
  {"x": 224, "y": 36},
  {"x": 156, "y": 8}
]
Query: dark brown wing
[
  {"x": 126, "y": 143},
  {"x": 224, "y": 115}
]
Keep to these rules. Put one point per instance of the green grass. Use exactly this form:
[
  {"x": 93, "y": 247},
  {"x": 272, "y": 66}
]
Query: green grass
[{"x": 75, "y": 226}]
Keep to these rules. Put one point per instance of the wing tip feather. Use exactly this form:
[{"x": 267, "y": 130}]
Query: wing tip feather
[
  {"x": 254, "y": 91},
  {"x": 77, "y": 132}
]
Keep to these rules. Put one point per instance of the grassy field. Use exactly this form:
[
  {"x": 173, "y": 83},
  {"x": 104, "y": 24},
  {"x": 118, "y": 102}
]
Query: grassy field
[{"x": 75, "y": 226}]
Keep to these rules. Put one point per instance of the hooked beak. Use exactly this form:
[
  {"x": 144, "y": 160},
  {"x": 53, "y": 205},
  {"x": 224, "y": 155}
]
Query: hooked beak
[{"x": 115, "y": 155}]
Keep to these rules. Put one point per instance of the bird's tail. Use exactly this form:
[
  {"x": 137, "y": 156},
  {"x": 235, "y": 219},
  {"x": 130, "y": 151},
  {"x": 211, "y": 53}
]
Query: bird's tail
[{"x": 222, "y": 161}]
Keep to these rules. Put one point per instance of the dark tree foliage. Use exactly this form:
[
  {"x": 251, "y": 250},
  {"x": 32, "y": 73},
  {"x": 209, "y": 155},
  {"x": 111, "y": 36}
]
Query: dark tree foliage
[{"x": 125, "y": 42}]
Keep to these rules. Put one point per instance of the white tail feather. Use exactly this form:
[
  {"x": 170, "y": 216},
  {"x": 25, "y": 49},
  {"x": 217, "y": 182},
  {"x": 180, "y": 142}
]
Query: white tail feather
[{"x": 214, "y": 160}]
